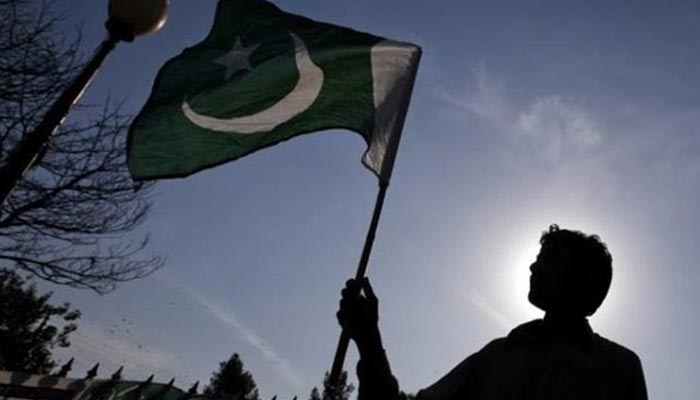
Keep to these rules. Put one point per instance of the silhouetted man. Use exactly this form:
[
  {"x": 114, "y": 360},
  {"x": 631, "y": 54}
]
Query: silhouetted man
[{"x": 558, "y": 357}]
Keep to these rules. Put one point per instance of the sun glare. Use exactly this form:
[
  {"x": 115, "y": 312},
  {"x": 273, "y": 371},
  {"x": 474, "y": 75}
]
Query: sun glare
[
  {"x": 519, "y": 265},
  {"x": 523, "y": 252}
]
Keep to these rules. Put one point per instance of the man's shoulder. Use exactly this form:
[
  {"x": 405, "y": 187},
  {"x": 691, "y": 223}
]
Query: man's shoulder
[
  {"x": 614, "y": 351},
  {"x": 525, "y": 332}
]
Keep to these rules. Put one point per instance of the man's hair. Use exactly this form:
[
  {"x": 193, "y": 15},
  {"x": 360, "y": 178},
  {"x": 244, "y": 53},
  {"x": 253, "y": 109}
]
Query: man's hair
[{"x": 591, "y": 265}]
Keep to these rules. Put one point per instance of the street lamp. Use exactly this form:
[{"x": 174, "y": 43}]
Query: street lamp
[
  {"x": 131, "y": 18},
  {"x": 127, "y": 19}
]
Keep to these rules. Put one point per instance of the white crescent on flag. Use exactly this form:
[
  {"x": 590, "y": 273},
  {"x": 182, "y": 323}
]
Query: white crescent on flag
[{"x": 302, "y": 96}]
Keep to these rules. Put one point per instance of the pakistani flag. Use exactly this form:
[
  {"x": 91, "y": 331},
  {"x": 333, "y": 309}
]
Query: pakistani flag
[{"x": 263, "y": 76}]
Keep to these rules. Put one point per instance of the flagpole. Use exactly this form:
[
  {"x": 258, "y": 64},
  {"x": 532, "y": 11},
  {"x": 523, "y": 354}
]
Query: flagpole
[
  {"x": 344, "y": 341},
  {"x": 384, "y": 178}
]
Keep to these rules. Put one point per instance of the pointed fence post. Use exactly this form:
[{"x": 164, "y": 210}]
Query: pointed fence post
[
  {"x": 65, "y": 369},
  {"x": 117, "y": 376},
  {"x": 193, "y": 390},
  {"x": 163, "y": 390},
  {"x": 139, "y": 390},
  {"x": 92, "y": 373}
]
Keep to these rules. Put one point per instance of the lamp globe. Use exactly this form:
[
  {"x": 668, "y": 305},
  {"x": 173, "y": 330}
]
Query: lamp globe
[{"x": 137, "y": 17}]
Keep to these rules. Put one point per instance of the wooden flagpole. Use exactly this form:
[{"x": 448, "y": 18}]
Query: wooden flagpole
[{"x": 344, "y": 341}]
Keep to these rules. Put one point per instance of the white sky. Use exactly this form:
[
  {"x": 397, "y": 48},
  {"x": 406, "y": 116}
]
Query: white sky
[{"x": 525, "y": 113}]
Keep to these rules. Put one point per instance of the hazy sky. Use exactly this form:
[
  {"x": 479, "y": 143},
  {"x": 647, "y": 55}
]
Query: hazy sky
[{"x": 525, "y": 113}]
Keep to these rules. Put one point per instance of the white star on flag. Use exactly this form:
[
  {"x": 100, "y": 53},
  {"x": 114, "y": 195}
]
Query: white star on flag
[{"x": 236, "y": 59}]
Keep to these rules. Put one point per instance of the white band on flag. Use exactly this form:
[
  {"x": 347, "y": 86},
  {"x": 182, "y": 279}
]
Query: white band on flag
[{"x": 394, "y": 67}]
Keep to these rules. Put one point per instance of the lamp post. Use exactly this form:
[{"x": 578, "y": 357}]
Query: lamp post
[{"x": 127, "y": 20}]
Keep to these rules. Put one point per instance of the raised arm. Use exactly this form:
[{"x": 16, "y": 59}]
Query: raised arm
[{"x": 359, "y": 317}]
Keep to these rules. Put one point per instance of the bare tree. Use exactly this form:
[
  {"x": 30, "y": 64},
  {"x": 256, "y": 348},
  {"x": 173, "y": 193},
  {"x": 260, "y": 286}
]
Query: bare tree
[{"x": 66, "y": 220}]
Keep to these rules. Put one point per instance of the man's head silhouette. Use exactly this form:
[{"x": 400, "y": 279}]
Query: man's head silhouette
[{"x": 572, "y": 273}]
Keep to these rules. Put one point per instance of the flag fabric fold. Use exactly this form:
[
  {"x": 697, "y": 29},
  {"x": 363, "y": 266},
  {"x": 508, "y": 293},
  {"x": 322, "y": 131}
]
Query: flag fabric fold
[{"x": 263, "y": 76}]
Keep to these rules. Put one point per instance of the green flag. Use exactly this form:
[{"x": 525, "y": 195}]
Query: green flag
[{"x": 263, "y": 76}]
